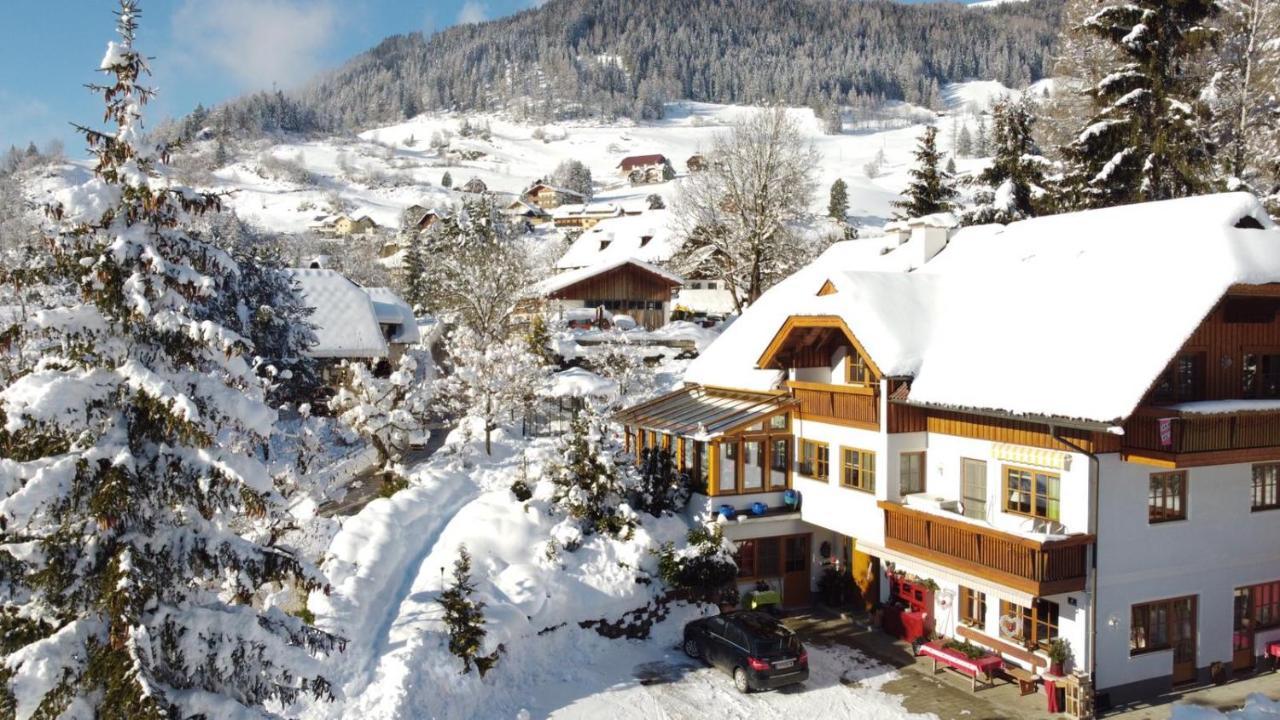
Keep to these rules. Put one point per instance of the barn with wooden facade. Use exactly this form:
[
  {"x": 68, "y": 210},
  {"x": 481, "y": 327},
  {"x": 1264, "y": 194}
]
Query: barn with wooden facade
[{"x": 627, "y": 286}]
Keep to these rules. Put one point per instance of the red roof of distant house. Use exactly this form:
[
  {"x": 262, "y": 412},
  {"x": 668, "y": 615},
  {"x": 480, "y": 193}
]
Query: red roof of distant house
[{"x": 636, "y": 161}]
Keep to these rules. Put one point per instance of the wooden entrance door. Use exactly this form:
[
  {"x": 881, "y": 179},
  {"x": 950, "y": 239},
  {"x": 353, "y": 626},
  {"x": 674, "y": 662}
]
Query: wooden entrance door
[
  {"x": 795, "y": 571},
  {"x": 1242, "y": 651},
  {"x": 1182, "y": 637}
]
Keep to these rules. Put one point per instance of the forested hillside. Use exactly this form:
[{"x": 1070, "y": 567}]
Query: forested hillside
[{"x": 623, "y": 58}]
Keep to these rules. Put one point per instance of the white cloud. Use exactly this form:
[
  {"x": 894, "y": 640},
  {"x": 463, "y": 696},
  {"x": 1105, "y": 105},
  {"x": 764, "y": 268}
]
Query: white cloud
[
  {"x": 472, "y": 11},
  {"x": 256, "y": 42}
]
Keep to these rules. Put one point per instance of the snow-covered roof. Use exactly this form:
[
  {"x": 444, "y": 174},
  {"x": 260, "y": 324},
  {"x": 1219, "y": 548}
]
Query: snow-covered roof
[
  {"x": 345, "y": 320},
  {"x": 624, "y": 237},
  {"x": 570, "y": 278},
  {"x": 580, "y": 383},
  {"x": 547, "y": 186},
  {"x": 587, "y": 210},
  {"x": 642, "y": 160},
  {"x": 391, "y": 309},
  {"x": 1069, "y": 316}
]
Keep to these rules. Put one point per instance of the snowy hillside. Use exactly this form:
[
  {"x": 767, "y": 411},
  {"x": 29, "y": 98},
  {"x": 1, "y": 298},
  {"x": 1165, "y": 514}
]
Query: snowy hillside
[{"x": 382, "y": 171}]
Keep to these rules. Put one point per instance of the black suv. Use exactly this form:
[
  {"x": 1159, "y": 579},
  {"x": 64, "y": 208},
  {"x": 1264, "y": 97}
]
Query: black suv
[{"x": 760, "y": 652}]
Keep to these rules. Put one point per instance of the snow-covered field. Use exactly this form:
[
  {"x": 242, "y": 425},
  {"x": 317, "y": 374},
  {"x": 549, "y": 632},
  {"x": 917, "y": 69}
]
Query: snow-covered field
[{"x": 382, "y": 171}]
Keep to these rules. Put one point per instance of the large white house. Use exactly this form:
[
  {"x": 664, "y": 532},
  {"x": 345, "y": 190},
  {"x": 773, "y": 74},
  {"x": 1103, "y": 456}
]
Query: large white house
[{"x": 1065, "y": 428}]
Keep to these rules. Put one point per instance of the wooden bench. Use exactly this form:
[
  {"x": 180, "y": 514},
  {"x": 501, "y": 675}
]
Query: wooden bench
[{"x": 1026, "y": 680}]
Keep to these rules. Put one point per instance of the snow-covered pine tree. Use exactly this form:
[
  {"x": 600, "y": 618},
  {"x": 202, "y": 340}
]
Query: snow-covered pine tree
[
  {"x": 930, "y": 190},
  {"x": 575, "y": 176},
  {"x": 704, "y": 568},
  {"x": 464, "y": 617},
  {"x": 413, "y": 271},
  {"x": 1146, "y": 139},
  {"x": 964, "y": 142},
  {"x": 268, "y": 308},
  {"x": 838, "y": 203},
  {"x": 981, "y": 141},
  {"x": 589, "y": 486},
  {"x": 446, "y": 180},
  {"x": 136, "y": 518},
  {"x": 661, "y": 488},
  {"x": 539, "y": 340},
  {"x": 1016, "y": 175}
]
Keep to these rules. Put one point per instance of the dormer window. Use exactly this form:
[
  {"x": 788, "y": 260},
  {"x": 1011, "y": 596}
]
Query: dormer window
[
  {"x": 604, "y": 244},
  {"x": 856, "y": 370},
  {"x": 644, "y": 240}
]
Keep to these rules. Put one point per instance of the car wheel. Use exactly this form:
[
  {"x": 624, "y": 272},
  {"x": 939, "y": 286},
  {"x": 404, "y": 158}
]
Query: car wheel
[
  {"x": 692, "y": 649},
  {"x": 740, "y": 680}
]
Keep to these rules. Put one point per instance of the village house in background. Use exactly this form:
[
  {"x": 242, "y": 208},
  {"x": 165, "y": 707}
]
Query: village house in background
[
  {"x": 549, "y": 197},
  {"x": 626, "y": 286},
  {"x": 646, "y": 169},
  {"x": 1058, "y": 440},
  {"x": 344, "y": 225},
  {"x": 370, "y": 325},
  {"x": 585, "y": 216}
]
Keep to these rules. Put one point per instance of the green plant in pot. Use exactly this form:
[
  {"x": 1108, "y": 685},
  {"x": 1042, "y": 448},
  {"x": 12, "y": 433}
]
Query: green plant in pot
[{"x": 1059, "y": 652}]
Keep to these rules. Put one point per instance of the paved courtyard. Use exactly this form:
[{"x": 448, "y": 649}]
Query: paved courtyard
[{"x": 948, "y": 695}]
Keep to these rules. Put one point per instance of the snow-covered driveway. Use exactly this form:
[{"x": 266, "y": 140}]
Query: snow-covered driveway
[{"x": 664, "y": 684}]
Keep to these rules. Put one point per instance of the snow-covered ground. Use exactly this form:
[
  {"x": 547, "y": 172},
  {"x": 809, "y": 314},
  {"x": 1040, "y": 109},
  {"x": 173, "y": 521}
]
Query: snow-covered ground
[
  {"x": 382, "y": 171},
  {"x": 1257, "y": 707},
  {"x": 389, "y": 563}
]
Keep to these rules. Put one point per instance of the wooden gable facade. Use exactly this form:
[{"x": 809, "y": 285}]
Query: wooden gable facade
[{"x": 627, "y": 290}]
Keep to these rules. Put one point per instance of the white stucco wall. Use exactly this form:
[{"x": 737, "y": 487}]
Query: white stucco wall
[{"x": 1221, "y": 545}]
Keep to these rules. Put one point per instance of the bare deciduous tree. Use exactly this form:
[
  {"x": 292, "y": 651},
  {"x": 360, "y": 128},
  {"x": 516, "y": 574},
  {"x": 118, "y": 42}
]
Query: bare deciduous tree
[{"x": 741, "y": 214}]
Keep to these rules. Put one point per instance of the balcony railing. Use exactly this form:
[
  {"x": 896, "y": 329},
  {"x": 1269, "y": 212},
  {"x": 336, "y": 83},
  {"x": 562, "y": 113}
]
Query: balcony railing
[
  {"x": 854, "y": 405},
  {"x": 1173, "y": 431},
  {"x": 1035, "y": 567}
]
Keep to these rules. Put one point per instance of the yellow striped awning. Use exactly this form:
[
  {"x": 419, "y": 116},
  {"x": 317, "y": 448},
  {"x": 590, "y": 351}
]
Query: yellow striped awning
[{"x": 1036, "y": 457}]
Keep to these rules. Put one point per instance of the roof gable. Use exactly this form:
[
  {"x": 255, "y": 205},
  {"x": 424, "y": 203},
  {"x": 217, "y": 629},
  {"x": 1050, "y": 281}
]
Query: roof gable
[{"x": 1070, "y": 316}]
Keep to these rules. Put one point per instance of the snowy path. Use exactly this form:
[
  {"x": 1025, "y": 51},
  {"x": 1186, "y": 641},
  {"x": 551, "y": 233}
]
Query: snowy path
[{"x": 375, "y": 561}]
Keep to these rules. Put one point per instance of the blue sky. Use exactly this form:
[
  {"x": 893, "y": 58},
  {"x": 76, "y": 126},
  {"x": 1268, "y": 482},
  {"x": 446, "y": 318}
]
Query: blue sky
[{"x": 204, "y": 50}]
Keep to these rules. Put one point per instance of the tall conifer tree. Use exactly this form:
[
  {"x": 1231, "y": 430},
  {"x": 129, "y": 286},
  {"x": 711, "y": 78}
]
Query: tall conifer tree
[
  {"x": 931, "y": 189},
  {"x": 135, "y": 515},
  {"x": 1146, "y": 139}
]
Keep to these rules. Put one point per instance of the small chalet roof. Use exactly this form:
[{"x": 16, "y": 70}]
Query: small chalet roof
[
  {"x": 568, "y": 279},
  {"x": 391, "y": 309},
  {"x": 539, "y": 186},
  {"x": 345, "y": 320},
  {"x": 704, "y": 413},
  {"x": 635, "y": 161},
  {"x": 1070, "y": 316},
  {"x": 520, "y": 207}
]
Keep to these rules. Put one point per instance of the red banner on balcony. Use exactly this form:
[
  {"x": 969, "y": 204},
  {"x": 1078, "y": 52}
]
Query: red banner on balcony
[{"x": 1166, "y": 432}]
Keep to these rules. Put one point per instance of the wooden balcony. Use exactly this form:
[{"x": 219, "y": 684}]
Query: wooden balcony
[
  {"x": 1190, "y": 439},
  {"x": 1034, "y": 567},
  {"x": 851, "y": 405}
]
